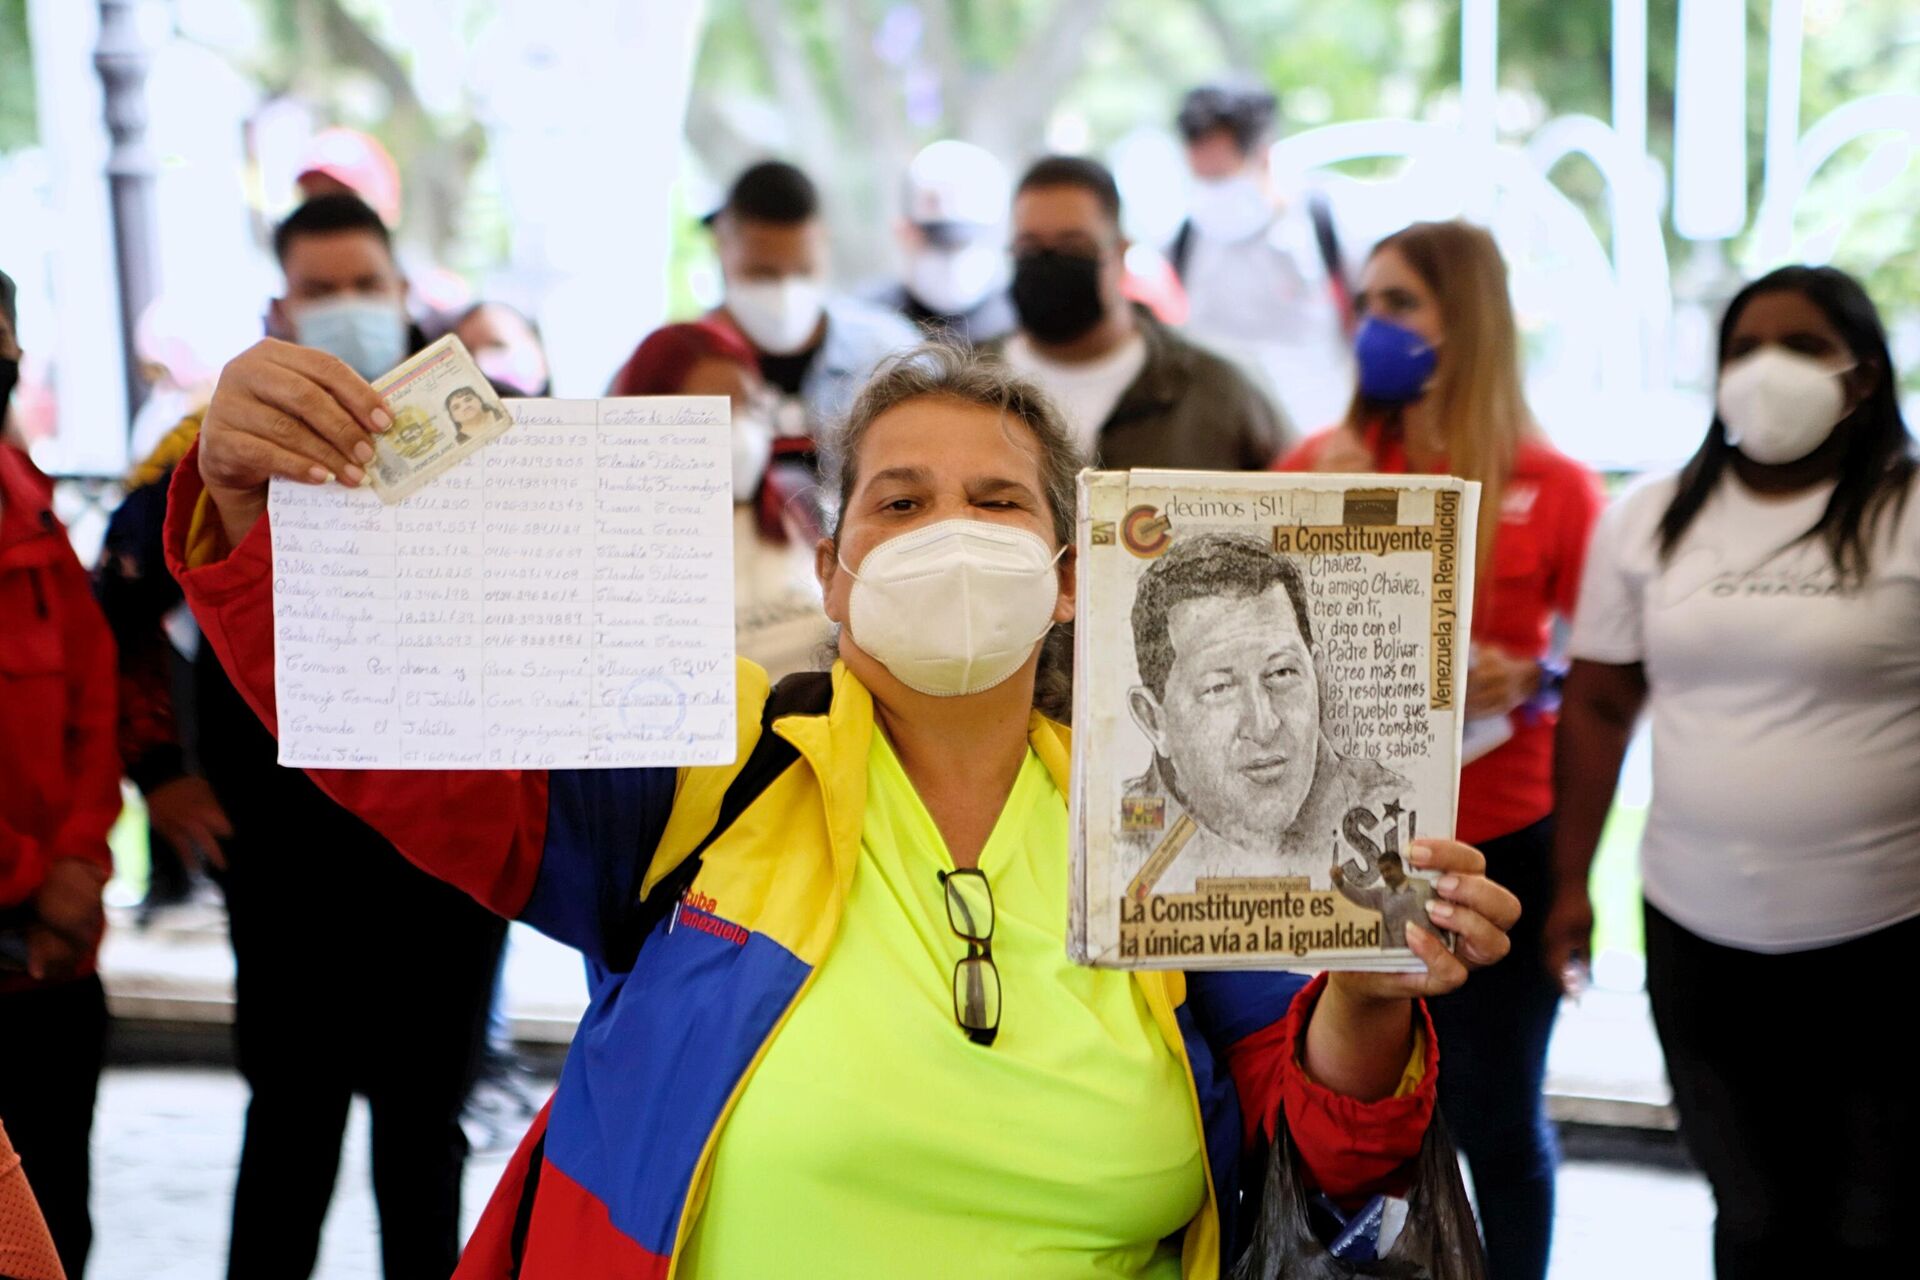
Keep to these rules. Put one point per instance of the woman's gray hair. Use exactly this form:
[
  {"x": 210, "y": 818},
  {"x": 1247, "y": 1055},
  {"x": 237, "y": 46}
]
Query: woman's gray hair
[{"x": 941, "y": 370}]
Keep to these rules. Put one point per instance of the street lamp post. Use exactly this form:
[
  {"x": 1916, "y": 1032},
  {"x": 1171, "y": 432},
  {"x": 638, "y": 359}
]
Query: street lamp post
[{"x": 121, "y": 59}]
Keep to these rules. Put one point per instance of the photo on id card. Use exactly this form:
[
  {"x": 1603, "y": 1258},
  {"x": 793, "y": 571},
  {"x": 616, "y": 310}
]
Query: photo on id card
[{"x": 443, "y": 409}]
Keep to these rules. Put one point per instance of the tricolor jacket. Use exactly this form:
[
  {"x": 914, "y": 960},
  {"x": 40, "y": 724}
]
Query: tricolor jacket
[{"x": 612, "y": 1177}]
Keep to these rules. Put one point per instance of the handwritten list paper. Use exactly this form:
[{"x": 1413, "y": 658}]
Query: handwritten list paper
[{"x": 561, "y": 599}]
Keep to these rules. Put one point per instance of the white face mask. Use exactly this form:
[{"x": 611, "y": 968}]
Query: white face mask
[
  {"x": 1779, "y": 406},
  {"x": 752, "y": 446},
  {"x": 1230, "y": 209},
  {"x": 778, "y": 316},
  {"x": 954, "y": 608},
  {"x": 952, "y": 282}
]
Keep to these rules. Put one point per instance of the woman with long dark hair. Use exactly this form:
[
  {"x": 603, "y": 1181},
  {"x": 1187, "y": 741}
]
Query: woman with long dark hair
[{"x": 1762, "y": 605}]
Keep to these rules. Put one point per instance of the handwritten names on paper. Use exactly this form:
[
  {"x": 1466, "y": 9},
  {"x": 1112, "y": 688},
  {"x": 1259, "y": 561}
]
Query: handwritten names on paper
[{"x": 561, "y": 599}]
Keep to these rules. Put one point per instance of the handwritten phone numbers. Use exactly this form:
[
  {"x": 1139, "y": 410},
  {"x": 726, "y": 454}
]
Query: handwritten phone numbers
[{"x": 561, "y": 599}]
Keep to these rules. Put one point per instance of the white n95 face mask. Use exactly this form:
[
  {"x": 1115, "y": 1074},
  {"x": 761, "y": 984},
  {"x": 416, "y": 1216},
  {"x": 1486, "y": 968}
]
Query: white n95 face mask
[
  {"x": 1779, "y": 406},
  {"x": 778, "y": 316},
  {"x": 954, "y": 608},
  {"x": 952, "y": 282}
]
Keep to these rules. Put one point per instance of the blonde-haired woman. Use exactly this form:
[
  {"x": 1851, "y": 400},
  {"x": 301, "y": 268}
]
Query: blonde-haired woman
[{"x": 1439, "y": 392}]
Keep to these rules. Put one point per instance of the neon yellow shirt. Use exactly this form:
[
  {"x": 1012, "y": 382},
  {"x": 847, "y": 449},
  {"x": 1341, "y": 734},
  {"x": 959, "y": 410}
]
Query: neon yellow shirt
[{"x": 1068, "y": 1148}]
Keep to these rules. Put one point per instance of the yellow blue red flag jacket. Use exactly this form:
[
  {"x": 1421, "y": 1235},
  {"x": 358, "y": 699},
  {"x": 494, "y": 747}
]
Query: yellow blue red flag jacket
[{"x": 612, "y": 1176}]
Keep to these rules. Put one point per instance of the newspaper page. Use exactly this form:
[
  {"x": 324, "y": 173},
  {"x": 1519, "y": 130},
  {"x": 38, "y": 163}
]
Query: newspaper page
[{"x": 1269, "y": 676}]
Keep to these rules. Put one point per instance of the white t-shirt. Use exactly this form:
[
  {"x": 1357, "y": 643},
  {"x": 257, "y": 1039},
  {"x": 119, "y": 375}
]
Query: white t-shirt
[
  {"x": 1086, "y": 393},
  {"x": 1786, "y": 714}
]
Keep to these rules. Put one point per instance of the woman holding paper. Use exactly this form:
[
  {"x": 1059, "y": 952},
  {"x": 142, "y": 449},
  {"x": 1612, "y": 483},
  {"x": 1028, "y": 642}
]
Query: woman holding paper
[
  {"x": 839, "y": 1034},
  {"x": 1440, "y": 393},
  {"x": 1762, "y": 606}
]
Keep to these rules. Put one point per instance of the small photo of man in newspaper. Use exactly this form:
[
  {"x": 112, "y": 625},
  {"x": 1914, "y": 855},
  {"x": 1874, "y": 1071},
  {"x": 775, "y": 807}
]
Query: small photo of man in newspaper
[
  {"x": 1400, "y": 899},
  {"x": 1244, "y": 782}
]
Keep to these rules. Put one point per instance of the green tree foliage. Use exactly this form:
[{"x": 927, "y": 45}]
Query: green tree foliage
[
  {"x": 851, "y": 88},
  {"x": 19, "y": 126},
  {"x": 348, "y": 59},
  {"x": 853, "y": 113},
  {"x": 1864, "y": 199},
  {"x": 1859, "y": 207}
]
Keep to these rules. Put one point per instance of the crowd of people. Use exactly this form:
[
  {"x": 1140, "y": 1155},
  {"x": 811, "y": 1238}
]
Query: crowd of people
[{"x": 1757, "y": 607}]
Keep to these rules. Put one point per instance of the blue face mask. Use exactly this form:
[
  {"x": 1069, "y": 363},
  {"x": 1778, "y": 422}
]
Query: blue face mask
[
  {"x": 1395, "y": 362},
  {"x": 369, "y": 334}
]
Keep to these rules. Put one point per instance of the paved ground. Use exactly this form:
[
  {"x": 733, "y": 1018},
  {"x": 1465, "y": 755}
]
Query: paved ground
[
  {"x": 166, "y": 1142},
  {"x": 167, "y": 1139}
]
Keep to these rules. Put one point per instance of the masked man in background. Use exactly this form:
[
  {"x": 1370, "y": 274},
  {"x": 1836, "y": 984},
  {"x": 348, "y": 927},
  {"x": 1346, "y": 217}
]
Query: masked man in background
[
  {"x": 504, "y": 343},
  {"x": 1136, "y": 393},
  {"x": 1261, "y": 264},
  {"x": 816, "y": 348}
]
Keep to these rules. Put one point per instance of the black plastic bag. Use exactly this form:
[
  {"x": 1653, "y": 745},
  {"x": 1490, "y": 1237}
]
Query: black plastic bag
[{"x": 1438, "y": 1242}]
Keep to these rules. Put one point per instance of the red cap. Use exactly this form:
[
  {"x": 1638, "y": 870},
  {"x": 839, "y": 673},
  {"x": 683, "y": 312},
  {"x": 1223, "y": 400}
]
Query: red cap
[{"x": 358, "y": 163}]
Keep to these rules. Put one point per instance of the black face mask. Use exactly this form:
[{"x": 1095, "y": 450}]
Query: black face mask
[
  {"x": 9, "y": 377},
  {"x": 1057, "y": 295}
]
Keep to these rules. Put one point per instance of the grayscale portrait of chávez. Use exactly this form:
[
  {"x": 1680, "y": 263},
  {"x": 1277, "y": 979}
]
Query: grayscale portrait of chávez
[{"x": 1243, "y": 781}]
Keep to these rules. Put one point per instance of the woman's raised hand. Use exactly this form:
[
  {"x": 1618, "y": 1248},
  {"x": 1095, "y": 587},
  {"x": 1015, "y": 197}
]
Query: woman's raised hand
[{"x": 284, "y": 410}]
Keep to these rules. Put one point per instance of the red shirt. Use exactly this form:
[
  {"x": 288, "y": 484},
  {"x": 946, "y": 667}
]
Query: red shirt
[{"x": 1547, "y": 515}]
